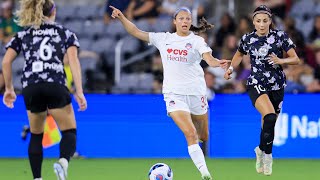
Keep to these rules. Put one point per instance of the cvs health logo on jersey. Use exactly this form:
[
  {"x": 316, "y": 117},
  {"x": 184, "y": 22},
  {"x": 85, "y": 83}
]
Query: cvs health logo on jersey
[
  {"x": 291, "y": 127},
  {"x": 177, "y": 55}
]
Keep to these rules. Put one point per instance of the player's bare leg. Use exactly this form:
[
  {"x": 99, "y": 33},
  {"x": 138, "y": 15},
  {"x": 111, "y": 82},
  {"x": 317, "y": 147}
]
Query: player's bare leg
[
  {"x": 201, "y": 124},
  {"x": 184, "y": 122}
]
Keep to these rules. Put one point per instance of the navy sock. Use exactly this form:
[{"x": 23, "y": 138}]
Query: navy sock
[
  {"x": 268, "y": 131},
  {"x": 68, "y": 143},
  {"x": 35, "y": 153},
  {"x": 261, "y": 146}
]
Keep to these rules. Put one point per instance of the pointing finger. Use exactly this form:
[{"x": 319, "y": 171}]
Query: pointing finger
[{"x": 112, "y": 7}]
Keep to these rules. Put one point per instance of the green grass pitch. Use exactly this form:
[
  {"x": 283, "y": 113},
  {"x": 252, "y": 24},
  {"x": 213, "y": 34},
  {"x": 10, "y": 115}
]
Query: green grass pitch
[{"x": 183, "y": 169}]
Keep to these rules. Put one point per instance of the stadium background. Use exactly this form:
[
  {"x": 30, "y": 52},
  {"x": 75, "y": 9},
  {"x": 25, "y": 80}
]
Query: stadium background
[{"x": 125, "y": 129}]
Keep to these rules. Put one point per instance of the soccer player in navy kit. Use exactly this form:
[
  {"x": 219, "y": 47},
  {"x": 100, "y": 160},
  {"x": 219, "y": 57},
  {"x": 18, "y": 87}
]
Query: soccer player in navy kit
[
  {"x": 266, "y": 83},
  {"x": 44, "y": 44}
]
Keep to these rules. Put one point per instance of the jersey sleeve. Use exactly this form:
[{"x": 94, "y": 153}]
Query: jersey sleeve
[
  {"x": 242, "y": 47},
  {"x": 156, "y": 38},
  {"x": 15, "y": 43},
  {"x": 286, "y": 42},
  {"x": 72, "y": 40},
  {"x": 203, "y": 47}
]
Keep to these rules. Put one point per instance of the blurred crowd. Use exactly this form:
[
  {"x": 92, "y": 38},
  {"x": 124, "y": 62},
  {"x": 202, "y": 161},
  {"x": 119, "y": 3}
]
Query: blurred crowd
[{"x": 141, "y": 71}]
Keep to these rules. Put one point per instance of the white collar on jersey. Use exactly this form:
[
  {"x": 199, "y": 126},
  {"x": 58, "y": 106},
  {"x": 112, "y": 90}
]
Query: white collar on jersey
[{"x": 183, "y": 37}]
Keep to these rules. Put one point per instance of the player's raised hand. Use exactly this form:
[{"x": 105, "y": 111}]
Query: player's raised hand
[
  {"x": 9, "y": 98},
  {"x": 81, "y": 100},
  {"x": 116, "y": 13},
  {"x": 224, "y": 63}
]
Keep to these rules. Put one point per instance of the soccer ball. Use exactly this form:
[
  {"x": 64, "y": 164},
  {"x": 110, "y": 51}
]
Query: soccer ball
[{"x": 160, "y": 171}]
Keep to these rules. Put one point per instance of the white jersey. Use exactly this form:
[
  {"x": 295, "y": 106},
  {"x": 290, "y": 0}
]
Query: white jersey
[{"x": 181, "y": 57}]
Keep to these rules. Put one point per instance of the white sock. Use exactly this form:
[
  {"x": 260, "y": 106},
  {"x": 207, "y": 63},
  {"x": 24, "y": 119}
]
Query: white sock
[
  {"x": 38, "y": 179},
  {"x": 197, "y": 157},
  {"x": 268, "y": 156}
]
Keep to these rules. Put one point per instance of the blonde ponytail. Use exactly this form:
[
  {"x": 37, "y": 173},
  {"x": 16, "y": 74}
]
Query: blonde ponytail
[{"x": 31, "y": 12}]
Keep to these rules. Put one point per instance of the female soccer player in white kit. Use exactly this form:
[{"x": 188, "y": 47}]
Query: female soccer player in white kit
[{"x": 184, "y": 86}]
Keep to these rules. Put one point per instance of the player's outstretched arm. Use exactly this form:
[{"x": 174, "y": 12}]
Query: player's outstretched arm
[
  {"x": 214, "y": 62},
  {"x": 129, "y": 26},
  {"x": 236, "y": 60}
]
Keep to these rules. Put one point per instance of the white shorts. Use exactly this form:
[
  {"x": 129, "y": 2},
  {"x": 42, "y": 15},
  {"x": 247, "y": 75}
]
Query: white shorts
[{"x": 194, "y": 104}]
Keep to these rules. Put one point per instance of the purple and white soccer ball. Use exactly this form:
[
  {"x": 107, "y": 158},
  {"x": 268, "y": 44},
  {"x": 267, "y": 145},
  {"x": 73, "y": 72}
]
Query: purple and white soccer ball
[{"x": 160, "y": 171}]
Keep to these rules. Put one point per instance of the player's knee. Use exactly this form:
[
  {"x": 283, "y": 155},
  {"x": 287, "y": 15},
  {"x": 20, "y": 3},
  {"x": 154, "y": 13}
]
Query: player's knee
[
  {"x": 191, "y": 134},
  {"x": 268, "y": 126},
  {"x": 269, "y": 121}
]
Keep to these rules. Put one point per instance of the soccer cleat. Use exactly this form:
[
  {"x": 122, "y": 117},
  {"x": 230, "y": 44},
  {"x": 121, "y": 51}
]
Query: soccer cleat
[
  {"x": 25, "y": 131},
  {"x": 60, "y": 169},
  {"x": 259, "y": 159},
  {"x": 267, "y": 164},
  {"x": 206, "y": 177}
]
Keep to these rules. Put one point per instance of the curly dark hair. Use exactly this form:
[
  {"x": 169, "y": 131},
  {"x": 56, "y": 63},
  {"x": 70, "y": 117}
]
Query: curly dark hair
[{"x": 203, "y": 27}]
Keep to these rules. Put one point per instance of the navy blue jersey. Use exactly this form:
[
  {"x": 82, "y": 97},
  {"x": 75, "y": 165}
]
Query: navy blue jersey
[
  {"x": 269, "y": 76},
  {"x": 43, "y": 50}
]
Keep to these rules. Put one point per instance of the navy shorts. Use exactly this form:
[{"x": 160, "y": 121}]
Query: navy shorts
[
  {"x": 276, "y": 97},
  {"x": 42, "y": 96}
]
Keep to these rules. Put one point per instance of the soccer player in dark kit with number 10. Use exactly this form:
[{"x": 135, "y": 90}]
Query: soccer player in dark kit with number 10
[
  {"x": 265, "y": 85},
  {"x": 44, "y": 45}
]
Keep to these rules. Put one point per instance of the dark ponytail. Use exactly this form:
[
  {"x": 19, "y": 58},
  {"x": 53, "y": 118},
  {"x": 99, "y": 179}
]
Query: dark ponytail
[
  {"x": 273, "y": 24},
  {"x": 203, "y": 27}
]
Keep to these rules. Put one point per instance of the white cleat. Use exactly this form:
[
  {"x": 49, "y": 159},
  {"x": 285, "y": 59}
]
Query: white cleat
[
  {"x": 259, "y": 159},
  {"x": 60, "y": 169},
  {"x": 267, "y": 164}
]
